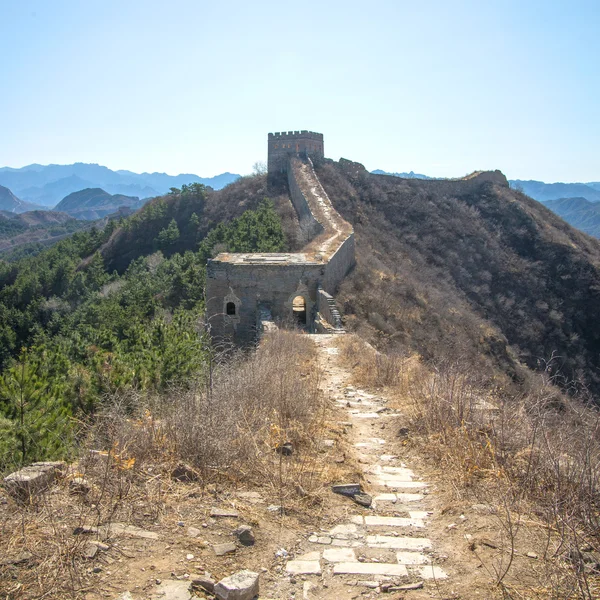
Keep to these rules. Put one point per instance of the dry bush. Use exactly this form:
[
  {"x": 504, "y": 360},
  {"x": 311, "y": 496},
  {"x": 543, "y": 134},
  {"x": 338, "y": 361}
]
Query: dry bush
[
  {"x": 226, "y": 431},
  {"x": 536, "y": 454},
  {"x": 372, "y": 368},
  {"x": 236, "y": 423}
]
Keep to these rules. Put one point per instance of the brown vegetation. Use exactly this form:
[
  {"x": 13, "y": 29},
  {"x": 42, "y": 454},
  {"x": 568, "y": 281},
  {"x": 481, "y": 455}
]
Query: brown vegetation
[
  {"x": 531, "y": 460},
  {"x": 476, "y": 268},
  {"x": 146, "y": 456}
]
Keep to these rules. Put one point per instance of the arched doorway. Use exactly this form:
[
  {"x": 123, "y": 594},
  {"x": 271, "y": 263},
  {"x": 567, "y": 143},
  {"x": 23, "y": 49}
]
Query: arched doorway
[{"x": 299, "y": 310}]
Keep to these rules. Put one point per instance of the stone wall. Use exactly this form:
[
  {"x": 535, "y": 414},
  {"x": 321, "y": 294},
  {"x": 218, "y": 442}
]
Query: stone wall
[
  {"x": 242, "y": 288},
  {"x": 339, "y": 265},
  {"x": 309, "y": 225},
  {"x": 282, "y": 145}
]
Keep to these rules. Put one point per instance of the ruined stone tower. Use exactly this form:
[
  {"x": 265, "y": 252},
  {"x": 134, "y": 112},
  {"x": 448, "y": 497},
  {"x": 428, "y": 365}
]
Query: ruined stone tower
[
  {"x": 284, "y": 144},
  {"x": 250, "y": 293}
]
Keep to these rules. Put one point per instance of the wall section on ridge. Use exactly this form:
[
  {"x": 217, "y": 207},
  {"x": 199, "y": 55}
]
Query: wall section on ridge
[{"x": 242, "y": 287}]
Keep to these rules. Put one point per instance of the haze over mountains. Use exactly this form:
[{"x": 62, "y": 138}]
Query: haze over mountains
[{"x": 47, "y": 185}]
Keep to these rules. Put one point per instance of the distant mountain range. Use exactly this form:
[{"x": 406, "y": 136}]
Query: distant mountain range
[
  {"x": 579, "y": 212},
  {"x": 47, "y": 185},
  {"x": 411, "y": 175},
  {"x": 95, "y": 203},
  {"x": 554, "y": 191}
]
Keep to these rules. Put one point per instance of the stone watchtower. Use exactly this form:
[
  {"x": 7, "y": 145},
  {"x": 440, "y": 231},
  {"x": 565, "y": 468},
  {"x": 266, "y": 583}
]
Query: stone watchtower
[{"x": 284, "y": 144}]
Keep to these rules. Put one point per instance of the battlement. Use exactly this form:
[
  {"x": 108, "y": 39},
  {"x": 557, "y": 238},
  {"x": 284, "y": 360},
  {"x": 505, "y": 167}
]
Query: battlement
[
  {"x": 284, "y": 144},
  {"x": 289, "y": 135}
]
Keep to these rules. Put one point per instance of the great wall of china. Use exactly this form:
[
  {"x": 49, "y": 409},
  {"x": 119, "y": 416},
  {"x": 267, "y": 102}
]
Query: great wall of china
[{"x": 248, "y": 293}]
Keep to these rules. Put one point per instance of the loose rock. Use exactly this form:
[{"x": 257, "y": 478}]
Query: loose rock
[
  {"x": 245, "y": 535},
  {"x": 226, "y": 548},
  {"x": 224, "y": 512},
  {"x": 79, "y": 486},
  {"x": 33, "y": 479},
  {"x": 363, "y": 499},
  {"x": 242, "y": 585},
  {"x": 346, "y": 489}
]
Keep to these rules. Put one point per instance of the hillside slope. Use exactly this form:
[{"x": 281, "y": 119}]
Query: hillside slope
[
  {"x": 468, "y": 269},
  {"x": 10, "y": 203},
  {"x": 95, "y": 203},
  {"x": 35, "y": 226},
  {"x": 579, "y": 212}
]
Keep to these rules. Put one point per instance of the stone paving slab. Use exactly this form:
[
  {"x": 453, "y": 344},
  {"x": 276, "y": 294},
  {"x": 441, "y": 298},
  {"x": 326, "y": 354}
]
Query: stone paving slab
[
  {"x": 377, "y": 521},
  {"x": 303, "y": 567},
  {"x": 398, "y": 543},
  {"x": 310, "y": 556},
  {"x": 402, "y": 498},
  {"x": 388, "y": 457},
  {"x": 403, "y": 485},
  {"x": 432, "y": 572},
  {"x": 358, "y": 568},
  {"x": 396, "y": 477},
  {"x": 419, "y": 514},
  {"x": 347, "y": 543},
  {"x": 412, "y": 558},
  {"x": 337, "y": 555}
]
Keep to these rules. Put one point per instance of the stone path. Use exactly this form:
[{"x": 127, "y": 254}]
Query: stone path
[{"x": 386, "y": 544}]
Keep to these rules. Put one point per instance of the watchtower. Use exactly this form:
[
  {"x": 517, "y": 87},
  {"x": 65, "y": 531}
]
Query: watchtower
[{"x": 298, "y": 143}]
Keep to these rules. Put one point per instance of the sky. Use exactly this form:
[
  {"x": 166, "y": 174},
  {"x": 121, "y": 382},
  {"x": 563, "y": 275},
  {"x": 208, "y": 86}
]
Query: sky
[{"x": 187, "y": 86}]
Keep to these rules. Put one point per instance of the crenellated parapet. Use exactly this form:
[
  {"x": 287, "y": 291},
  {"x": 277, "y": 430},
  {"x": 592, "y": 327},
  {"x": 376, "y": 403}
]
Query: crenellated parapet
[{"x": 284, "y": 144}]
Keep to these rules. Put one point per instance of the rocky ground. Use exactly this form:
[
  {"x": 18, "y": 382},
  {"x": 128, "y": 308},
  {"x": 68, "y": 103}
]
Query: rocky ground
[{"x": 396, "y": 538}]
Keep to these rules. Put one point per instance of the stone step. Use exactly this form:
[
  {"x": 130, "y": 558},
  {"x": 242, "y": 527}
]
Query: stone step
[
  {"x": 432, "y": 572},
  {"x": 303, "y": 567},
  {"x": 358, "y": 568},
  {"x": 402, "y": 498},
  {"x": 403, "y": 485},
  {"x": 378, "y": 521},
  {"x": 398, "y": 543},
  {"x": 337, "y": 555},
  {"x": 412, "y": 558}
]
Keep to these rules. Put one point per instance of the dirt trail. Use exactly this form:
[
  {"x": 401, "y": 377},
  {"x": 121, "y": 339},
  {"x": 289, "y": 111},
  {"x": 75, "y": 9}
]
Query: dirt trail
[
  {"x": 330, "y": 549},
  {"x": 384, "y": 547}
]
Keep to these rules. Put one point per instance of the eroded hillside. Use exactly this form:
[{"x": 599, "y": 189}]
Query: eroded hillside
[{"x": 471, "y": 269}]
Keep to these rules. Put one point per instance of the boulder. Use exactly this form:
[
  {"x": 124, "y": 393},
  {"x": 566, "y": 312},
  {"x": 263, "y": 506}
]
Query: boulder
[
  {"x": 31, "y": 480},
  {"x": 242, "y": 585}
]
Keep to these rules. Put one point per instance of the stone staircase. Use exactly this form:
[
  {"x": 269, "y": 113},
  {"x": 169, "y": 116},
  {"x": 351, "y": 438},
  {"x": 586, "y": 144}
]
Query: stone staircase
[{"x": 384, "y": 546}]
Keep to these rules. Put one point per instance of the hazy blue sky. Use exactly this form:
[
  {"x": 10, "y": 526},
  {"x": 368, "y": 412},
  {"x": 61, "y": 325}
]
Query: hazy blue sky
[{"x": 442, "y": 88}]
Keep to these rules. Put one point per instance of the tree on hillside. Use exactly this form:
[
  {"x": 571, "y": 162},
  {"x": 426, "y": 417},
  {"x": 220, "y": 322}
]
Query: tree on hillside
[
  {"x": 39, "y": 423},
  {"x": 169, "y": 235}
]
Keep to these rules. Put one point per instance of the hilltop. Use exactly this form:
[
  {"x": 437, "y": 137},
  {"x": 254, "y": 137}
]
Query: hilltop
[
  {"x": 95, "y": 203},
  {"x": 48, "y": 184}
]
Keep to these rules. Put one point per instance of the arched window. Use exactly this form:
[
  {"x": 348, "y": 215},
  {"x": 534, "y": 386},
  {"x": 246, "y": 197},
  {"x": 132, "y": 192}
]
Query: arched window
[{"x": 230, "y": 308}]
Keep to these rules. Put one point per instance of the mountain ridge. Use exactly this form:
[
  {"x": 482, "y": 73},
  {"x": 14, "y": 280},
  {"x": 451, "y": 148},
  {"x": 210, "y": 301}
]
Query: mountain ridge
[{"x": 49, "y": 184}]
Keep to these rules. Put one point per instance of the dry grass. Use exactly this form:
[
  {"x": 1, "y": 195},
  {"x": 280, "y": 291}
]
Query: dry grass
[
  {"x": 532, "y": 458},
  {"x": 227, "y": 431}
]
